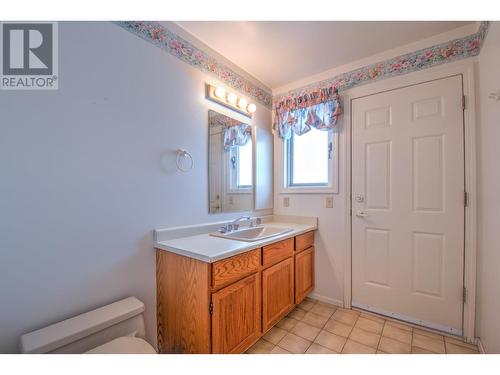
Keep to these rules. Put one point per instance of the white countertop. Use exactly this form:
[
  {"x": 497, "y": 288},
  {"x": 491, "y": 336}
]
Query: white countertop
[{"x": 209, "y": 248}]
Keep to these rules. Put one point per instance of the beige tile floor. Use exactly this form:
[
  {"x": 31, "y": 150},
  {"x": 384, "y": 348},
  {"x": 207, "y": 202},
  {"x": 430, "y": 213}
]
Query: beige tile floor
[{"x": 315, "y": 327}]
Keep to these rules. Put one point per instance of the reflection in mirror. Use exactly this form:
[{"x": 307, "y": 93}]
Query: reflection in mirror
[{"x": 230, "y": 158}]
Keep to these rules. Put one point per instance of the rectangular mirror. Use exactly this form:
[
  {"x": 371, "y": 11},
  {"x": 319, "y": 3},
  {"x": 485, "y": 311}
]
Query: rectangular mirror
[{"x": 230, "y": 164}]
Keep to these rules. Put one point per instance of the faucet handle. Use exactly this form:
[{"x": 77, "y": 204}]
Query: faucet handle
[
  {"x": 229, "y": 227},
  {"x": 223, "y": 229},
  {"x": 258, "y": 221},
  {"x": 236, "y": 226}
]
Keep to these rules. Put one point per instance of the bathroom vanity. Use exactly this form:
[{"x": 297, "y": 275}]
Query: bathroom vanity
[{"x": 219, "y": 295}]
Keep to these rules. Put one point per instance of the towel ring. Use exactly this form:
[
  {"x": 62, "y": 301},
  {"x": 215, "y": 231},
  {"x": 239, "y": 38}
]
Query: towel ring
[{"x": 181, "y": 153}]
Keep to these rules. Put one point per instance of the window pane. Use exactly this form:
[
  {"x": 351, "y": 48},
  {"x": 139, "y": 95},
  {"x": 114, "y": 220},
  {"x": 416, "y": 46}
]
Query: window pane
[
  {"x": 245, "y": 165},
  {"x": 309, "y": 159}
]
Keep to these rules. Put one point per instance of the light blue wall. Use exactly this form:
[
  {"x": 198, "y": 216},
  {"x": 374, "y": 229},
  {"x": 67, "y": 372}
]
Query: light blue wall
[{"x": 87, "y": 172}]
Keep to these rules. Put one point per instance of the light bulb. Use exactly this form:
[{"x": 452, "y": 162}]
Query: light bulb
[
  {"x": 220, "y": 92},
  {"x": 242, "y": 103},
  {"x": 251, "y": 108},
  {"x": 231, "y": 98}
]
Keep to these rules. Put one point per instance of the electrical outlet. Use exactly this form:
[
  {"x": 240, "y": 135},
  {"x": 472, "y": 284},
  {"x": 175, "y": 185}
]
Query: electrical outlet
[
  {"x": 231, "y": 200},
  {"x": 286, "y": 202},
  {"x": 329, "y": 202}
]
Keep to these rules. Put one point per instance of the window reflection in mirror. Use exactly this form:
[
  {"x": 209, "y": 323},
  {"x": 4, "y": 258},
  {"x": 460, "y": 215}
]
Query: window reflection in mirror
[{"x": 230, "y": 160}]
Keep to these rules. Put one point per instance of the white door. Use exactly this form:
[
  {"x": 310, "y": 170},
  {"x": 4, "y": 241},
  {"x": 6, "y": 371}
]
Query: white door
[{"x": 408, "y": 203}]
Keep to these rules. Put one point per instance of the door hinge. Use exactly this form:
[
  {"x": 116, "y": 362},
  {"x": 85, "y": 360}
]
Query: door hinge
[
  {"x": 464, "y": 297},
  {"x": 466, "y": 199},
  {"x": 463, "y": 101},
  {"x": 211, "y": 308}
]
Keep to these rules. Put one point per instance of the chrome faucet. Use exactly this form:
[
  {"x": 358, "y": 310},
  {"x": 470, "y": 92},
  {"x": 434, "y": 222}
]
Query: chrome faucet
[{"x": 234, "y": 225}]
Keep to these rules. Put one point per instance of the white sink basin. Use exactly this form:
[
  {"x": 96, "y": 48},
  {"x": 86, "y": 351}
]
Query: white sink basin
[{"x": 253, "y": 234}]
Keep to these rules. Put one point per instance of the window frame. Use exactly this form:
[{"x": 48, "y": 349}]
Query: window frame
[{"x": 310, "y": 188}]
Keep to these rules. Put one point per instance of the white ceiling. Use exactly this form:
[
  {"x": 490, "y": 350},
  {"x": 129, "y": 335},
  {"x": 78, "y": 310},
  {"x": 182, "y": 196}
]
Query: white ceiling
[{"x": 277, "y": 53}]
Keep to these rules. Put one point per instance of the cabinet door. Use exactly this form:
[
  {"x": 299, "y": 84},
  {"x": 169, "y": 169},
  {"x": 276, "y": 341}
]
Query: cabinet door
[
  {"x": 277, "y": 292},
  {"x": 236, "y": 319},
  {"x": 304, "y": 274}
]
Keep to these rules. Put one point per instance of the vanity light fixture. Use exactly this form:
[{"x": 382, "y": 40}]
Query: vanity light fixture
[
  {"x": 220, "y": 92},
  {"x": 242, "y": 103},
  {"x": 232, "y": 98},
  {"x": 229, "y": 99}
]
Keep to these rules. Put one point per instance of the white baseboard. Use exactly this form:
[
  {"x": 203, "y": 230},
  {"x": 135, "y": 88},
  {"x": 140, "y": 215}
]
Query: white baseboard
[{"x": 333, "y": 301}]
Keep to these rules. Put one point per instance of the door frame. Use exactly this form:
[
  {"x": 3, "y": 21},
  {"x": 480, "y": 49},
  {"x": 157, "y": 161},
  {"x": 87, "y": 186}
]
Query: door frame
[{"x": 466, "y": 69}]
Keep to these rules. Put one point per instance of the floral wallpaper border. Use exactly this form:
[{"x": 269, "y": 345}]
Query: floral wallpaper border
[
  {"x": 163, "y": 38},
  {"x": 450, "y": 51},
  {"x": 422, "y": 59}
]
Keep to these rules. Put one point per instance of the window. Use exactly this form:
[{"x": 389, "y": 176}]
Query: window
[
  {"x": 309, "y": 160},
  {"x": 244, "y": 168},
  {"x": 240, "y": 168}
]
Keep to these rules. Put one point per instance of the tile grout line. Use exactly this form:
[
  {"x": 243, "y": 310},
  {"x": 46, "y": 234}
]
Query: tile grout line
[
  {"x": 312, "y": 341},
  {"x": 395, "y": 339},
  {"x": 350, "y": 333},
  {"x": 442, "y": 338},
  {"x": 380, "y": 338},
  {"x": 321, "y": 329},
  {"x": 412, "y": 326},
  {"x": 364, "y": 330},
  {"x": 411, "y": 342},
  {"x": 298, "y": 321}
]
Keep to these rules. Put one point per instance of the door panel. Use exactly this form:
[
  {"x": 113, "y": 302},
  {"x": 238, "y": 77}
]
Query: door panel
[
  {"x": 236, "y": 320},
  {"x": 277, "y": 292},
  {"x": 377, "y": 245},
  {"x": 427, "y": 272},
  {"x": 428, "y": 168},
  {"x": 378, "y": 175},
  {"x": 408, "y": 211}
]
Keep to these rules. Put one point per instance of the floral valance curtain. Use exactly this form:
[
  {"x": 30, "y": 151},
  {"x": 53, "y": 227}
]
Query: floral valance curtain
[
  {"x": 319, "y": 109},
  {"x": 236, "y": 135}
]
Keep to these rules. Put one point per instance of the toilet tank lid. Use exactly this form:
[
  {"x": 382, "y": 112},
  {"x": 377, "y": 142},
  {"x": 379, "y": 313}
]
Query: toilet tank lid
[{"x": 59, "y": 334}]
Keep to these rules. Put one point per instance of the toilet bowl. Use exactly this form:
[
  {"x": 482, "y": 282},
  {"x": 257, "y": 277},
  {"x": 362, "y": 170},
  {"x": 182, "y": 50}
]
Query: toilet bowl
[{"x": 117, "y": 328}]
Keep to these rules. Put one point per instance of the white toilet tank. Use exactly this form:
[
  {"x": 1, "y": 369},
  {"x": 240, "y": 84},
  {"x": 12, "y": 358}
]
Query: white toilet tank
[{"x": 89, "y": 330}]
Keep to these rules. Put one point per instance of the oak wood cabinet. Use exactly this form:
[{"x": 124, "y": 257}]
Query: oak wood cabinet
[
  {"x": 227, "y": 271},
  {"x": 304, "y": 241},
  {"x": 277, "y": 292},
  {"x": 183, "y": 299},
  {"x": 236, "y": 316},
  {"x": 276, "y": 252},
  {"x": 226, "y": 306},
  {"x": 304, "y": 274}
]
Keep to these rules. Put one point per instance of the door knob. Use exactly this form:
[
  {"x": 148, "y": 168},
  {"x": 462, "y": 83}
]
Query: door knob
[{"x": 360, "y": 213}]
